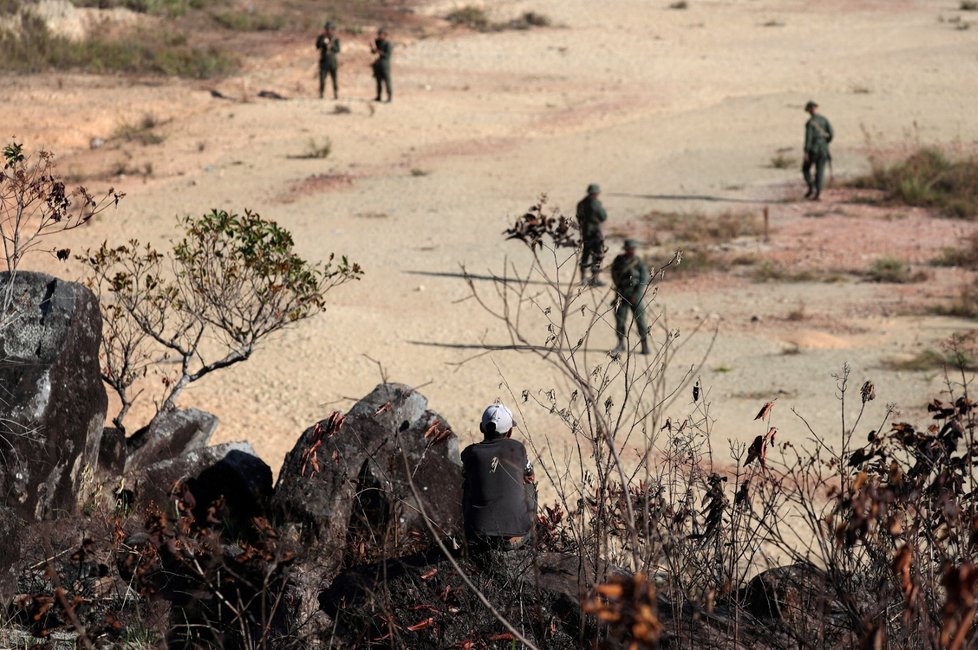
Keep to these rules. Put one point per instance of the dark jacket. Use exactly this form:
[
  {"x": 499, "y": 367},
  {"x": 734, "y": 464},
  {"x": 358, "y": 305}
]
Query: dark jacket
[
  {"x": 328, "y": 49},
  {"x": 494, "y": 501}
]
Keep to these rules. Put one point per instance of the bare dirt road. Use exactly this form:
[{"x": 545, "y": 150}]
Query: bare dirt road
[{"x": 670, "y": 110}]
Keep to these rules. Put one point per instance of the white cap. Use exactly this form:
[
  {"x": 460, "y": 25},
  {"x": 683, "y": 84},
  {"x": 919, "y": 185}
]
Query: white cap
[{"x": 499, "y": 416}]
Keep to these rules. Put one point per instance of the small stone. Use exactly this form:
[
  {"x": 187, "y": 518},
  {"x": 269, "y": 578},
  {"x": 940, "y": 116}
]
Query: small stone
[{"x": 95, "y": 143}]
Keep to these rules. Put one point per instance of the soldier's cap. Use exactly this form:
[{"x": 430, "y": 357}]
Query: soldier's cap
[
  {"x": 329, "y": 25},
  {"x": 810, "y": 105},
  {"x": 631, "y": 244},
  {"x": 594, "y": 188},
  {"x": 496, "y": 419},
  {"x": 382, "y": 30}
]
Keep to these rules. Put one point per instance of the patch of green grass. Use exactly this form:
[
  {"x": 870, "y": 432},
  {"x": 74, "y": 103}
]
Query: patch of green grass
[
  {"x": 248, "y": 21},
  {"x": 33, "y": 48},
  {"x": 928, "y": 178},
  {"x": 889, "y": 270}
]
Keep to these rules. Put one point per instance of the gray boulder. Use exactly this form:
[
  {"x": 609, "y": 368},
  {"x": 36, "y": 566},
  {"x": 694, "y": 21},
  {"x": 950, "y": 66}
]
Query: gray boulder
[
  {"x": 53, "y": 406},
  {"x": 170, "y": 434},
  {"x": 153, "y": 483},
  {"x": 346, "y": 484}
]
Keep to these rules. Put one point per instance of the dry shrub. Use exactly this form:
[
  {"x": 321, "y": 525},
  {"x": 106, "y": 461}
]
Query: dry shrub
[{"x": 928, "y": 178}]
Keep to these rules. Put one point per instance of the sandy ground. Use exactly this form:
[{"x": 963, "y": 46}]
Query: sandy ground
[{"x": 667, "y": 109}]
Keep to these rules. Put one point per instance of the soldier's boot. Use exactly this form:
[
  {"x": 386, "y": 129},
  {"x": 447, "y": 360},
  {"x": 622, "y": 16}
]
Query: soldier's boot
[
  {"x": 808, "y": 194},
  {"x": 645, "y": 346},
  {"x": 619, "y": 349},
  {"x": 595, "y": 281}
]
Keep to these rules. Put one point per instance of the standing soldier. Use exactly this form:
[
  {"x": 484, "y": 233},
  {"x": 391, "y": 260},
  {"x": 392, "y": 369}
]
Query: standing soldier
[
  {"x": 328, "y": 45},
  {"x": 818, "y": 135},
  {"x": 382, "y": 64},
  {"x": 631, "y": 278},
  {"x": 590, "y": 216}
]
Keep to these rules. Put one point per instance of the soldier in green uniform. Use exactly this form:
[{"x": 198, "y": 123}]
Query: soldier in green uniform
[
  {"x": 590, "y": 216},
  {"x": 631, "y": 278},
  {"x": 328, "y": 45},
  {"x": 382, "y": 64},
  {"x": 818, "y": 135}
]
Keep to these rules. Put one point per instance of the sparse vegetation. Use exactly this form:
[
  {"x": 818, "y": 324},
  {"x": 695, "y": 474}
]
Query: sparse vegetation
[
  {"x": 236, "y": 280},
  {"x": 475, "y": 18},
  {"x": 35, "y": 204},
  {"x": 679, "y": 4},
  {"x": 964, "y": 306},
  {"x": 168, "y": 8},
  {"x": 969, "y": 5},
  {"x": 317, "y": 150},
  {"x": 965, "y": 257},
  {"x": 33, "y": 48},
  {"x": 928, "y": 178},
  {"x": 890, "y": 270},
  {"x": 248, "y": 21},
  {"x": 782, "y": 161},
  {"x": 930, "y": 360},
  {"x": 419, "y": 172},
  {"x": 143, "y": 132},
  {"x": 342, "y": 109}
]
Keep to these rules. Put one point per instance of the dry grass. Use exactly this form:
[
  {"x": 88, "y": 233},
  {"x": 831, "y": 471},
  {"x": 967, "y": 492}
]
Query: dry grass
[
  {"x": 928, "y": 178},
  {"x": 965, "y": 256},
  {"x": 33, "y": 48},
  {"x": 476, "y": 18},
  {"x": 889, "y": 270}
]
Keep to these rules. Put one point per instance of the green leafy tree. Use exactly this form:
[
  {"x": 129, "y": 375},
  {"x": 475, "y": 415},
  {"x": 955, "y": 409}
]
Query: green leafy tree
[{"x": 231, "y": 281}]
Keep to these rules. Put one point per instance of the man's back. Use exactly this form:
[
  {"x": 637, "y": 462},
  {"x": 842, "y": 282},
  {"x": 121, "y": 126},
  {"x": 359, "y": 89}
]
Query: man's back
[
  {"x": 494, "y": 500},
  {"x": 590, "y": 215}
]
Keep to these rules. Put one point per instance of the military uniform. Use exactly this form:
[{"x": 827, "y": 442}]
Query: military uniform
[
  {"x": 590, "y": 216},
  {"x": 329, "y": 47},
  {"x": 382, "y": 64},
  {"x": 631, "y": 277},
  {"x": 818, "y": 135}
]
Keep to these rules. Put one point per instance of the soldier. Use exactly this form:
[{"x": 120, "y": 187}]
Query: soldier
[
  {"x": 631, "y": 278},
  {"x": 818, "y": 135},
  {"x": 498, "y": 497},
  {"x": 382, "y": 64},
  {"x": 590, "y": 216},
  {"x": 328, "y": 45}
]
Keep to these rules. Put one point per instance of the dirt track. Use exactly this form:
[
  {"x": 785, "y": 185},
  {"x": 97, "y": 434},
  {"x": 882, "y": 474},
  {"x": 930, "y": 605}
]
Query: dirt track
[{"x": 668, "y": 110}]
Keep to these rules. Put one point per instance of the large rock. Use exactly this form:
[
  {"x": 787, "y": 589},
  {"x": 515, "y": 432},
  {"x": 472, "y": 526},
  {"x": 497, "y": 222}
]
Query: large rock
[
  {"x": 153, "y": 483},
  {"x": 170, "y": 434},
  {"x": 346, "y": 483},
  {"x": 53, "y": 406}
]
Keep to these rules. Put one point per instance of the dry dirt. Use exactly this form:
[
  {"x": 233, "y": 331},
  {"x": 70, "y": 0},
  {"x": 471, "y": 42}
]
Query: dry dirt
[{"x": 670, "y": 110}]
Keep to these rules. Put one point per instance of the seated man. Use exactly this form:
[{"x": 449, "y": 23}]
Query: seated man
[{"x": 498, "y": 498}]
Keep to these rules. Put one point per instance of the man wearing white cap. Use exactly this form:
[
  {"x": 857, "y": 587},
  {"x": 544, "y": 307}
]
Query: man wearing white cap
[{"x": 498, "y": 499}]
